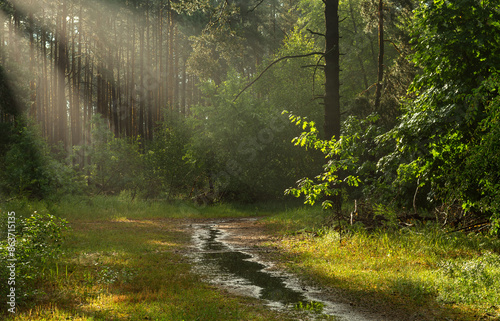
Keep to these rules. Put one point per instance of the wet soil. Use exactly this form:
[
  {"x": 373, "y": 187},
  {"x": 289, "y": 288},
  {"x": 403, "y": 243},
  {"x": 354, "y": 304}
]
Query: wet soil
[{"x": 232, "y": 255}]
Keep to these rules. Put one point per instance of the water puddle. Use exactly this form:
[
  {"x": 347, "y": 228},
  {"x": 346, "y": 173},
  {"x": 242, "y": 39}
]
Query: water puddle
[{"x": 239, "y": 271}]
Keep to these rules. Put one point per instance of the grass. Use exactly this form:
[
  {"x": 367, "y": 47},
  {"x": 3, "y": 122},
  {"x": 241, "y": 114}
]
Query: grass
[
  {"x": 422, "y": 272},
  {"x": 101, "y": 207},
  {"x": 124, "y": 261}
]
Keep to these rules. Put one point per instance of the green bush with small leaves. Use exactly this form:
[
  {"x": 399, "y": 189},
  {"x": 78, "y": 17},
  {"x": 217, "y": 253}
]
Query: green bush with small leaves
[{"x": 38, "y": 238}]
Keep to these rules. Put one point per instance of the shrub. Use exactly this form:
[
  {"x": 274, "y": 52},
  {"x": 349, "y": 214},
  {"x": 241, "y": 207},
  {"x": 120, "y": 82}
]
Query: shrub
[{"x": 38, "y": 238}]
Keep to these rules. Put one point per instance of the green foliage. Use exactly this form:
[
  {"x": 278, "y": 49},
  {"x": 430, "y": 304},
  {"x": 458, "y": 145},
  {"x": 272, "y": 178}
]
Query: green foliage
[
  {"x": 456, "y": 45},
  {"x": 23, "y": 164},
  {"x": 368, "y": 149},
  {"x": 313, "y": 306},
  {"x": 240, "y": 148},
  {"x": 27, "y": 167},
  {"x": 329, "y": 182},
  {"x": 115, "y": 163},
  {"x": 483, "y": 158},
  {"x": 166, "y": 169},
  {"x": 38, "y": 238}
]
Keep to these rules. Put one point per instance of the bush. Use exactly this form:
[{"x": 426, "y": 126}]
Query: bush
[
  {"x": 115, "y": 163},
  {"x": 167, "y": 172},
  {"x": 27, "y": 168},
  {"x": 38, "y": 238}
]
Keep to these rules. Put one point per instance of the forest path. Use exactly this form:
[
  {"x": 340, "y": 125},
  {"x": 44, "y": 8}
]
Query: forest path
[{"x": 236, "y": 254}]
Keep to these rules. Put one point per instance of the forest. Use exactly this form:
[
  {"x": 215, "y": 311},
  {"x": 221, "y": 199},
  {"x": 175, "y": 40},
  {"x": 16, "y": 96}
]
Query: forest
[{"x": 357, "y": 130}]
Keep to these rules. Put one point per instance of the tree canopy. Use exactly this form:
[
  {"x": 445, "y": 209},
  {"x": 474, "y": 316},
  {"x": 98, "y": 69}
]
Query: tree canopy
[{"x": 106, "y": 97}]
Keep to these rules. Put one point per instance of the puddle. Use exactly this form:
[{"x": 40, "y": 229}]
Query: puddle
[{"x": 239, "y": 271}]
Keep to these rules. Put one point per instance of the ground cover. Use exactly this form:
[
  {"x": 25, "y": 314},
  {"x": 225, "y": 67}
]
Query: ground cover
[
  {"x": 412, "y": 273},
  {"x": 124, "y": 259},
  {"x": 125, "y": 262}
]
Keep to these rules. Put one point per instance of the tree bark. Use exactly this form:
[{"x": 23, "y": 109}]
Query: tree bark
[
  {"x": 61, "y": 81},
  {"x": 332, "y": 85},
  {"x": 332, "y": 71},
  {"x": 380, "y": 74},
  {"x": 142, "y": 82}
]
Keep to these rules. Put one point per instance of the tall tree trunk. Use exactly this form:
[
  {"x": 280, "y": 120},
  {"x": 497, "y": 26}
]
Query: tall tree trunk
[
  {"x": 171, "y": 76},
  {"x": 61, "y": 81},
  {"x": 77, "y": 90},
  {"x": 176, "y": 71},
  {"x": 131, "y": 123},
  {"x": 332, "y": 82},
  {"x": 332, "y": 71},
  {"x": 149, "y": 89},
  {"x": 160, "y": 64},
  {"x": 380, "y": 74},
  {"x": 33, "y": 85},
  {"x": 184, "y": 87},
  {"x": 142, "y": 82},
  {"x": 44, "y": 88}
]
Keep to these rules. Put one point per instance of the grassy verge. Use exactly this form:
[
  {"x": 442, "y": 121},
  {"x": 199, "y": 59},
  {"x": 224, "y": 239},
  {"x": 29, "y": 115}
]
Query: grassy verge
[
  {"x": 124, "y": 261},
  {"x": 418, "y": 273}
]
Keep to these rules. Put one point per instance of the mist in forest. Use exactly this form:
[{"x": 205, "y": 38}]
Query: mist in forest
[{"x": 200, "y": 100}]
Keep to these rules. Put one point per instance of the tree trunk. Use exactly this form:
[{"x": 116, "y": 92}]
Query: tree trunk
[
  {"x": 332, "y": 83},
  {"x": 149, "y": 85},
  {"x": 33, "y": 84},
  {"x": 332, "y": 71},
  {"x": 380, "y": 74},
  {"x": 142, "y": 82},
  {"x": 160, "y": 65},
  {"x": 61, "y": 82},
  {"x": 171, "y": 77}
]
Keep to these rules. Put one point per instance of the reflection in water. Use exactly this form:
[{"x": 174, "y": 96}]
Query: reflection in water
[
  {"x": 272, "y": 288},
  {"x": 238, "y": 271}
]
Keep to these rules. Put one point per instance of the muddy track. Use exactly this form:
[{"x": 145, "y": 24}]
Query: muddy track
[{"x": 231, "y": 254}]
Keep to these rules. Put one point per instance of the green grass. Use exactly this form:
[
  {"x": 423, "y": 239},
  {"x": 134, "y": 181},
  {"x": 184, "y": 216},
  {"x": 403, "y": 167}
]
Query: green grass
[
  {"x": 125, "y": 261},
  {"x": 420, "y": 271},
  {"x": 104, "y": 208}
]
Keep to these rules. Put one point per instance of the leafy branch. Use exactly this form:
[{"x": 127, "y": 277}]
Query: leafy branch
[{"x": 328, "y": 183}]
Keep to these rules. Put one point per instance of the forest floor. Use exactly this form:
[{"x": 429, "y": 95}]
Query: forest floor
[
  {"x": 253, "y": 236},
  {"x": 134, "y": 261},
  {"x": 268, "y": 248}
]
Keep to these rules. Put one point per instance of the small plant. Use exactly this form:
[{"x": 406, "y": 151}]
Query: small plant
[
  {"x": 37, "y": 241},
  {"x": 313, "y": 306},
  {"x": 107, "y": 275}
]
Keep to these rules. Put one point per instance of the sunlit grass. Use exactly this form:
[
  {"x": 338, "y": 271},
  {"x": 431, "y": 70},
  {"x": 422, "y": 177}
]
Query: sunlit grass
[
  {"x": 123, "y": 260},
  {"x": 121, "y": 265},
  {"x": 405, "y": 269},
  {"x": 122, "y": 208}
]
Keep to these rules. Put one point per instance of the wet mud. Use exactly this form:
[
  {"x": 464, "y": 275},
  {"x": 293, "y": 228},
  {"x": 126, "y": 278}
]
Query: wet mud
[{"x": 239, "y": 269}]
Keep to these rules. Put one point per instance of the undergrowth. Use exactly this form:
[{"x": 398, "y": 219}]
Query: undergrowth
[{"x": 411, "y": 269}]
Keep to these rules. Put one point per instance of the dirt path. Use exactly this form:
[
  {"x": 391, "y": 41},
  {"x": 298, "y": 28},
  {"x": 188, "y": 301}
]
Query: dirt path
[{"x": 249, "y": 236}]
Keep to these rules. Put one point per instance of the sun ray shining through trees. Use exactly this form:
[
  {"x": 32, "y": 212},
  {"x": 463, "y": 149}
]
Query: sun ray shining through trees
[
  {"x": 122, "y": 61},
  {"x": 141, "y": 115}
]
